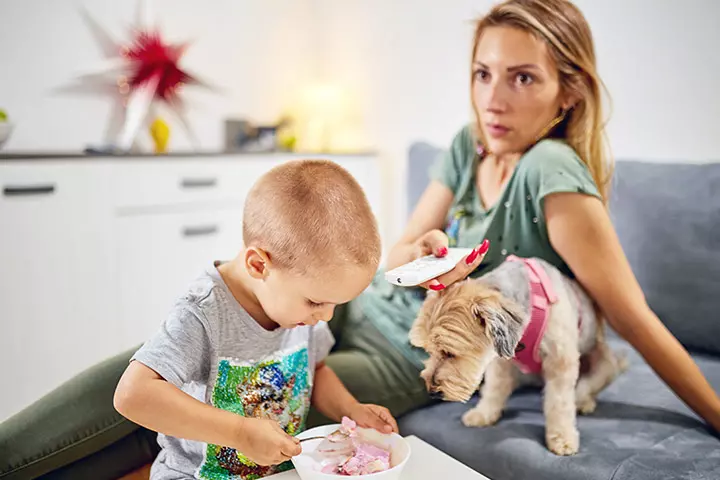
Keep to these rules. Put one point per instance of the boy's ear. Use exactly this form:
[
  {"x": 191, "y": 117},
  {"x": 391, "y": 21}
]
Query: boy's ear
[{"x": 256, "y": 262}]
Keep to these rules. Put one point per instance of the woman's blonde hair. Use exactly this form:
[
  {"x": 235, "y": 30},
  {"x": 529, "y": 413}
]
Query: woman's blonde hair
[{"x": 567, "y": 34}]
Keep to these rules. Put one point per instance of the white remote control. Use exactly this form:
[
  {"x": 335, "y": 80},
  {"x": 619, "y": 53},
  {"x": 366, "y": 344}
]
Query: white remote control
[{"x": 425, "y": 268}]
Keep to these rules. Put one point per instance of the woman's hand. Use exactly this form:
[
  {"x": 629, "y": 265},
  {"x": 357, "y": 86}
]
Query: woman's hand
[
  {"x": 429, "y": 216},
  {"x": 435, "y": 242},
  {"x": 423, "y": 237}
]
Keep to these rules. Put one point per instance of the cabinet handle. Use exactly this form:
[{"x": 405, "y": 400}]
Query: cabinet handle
[
  {"x": 200, "y": 231},
  {"x": 28, "y": 190},
  {"x": 198, "y": 182}
]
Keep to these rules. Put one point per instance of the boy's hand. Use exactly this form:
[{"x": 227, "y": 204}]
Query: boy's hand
[
  {"x": 265, "y": 443},
  {"x": 373, "y": 416}
]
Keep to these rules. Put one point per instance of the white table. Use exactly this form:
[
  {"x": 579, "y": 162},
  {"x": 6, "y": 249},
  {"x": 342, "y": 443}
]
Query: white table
[{"x": 426, "y": 463}]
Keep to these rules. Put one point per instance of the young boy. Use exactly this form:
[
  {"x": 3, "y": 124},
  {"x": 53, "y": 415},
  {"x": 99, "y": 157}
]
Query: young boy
[{"x": 231, "y": 375}]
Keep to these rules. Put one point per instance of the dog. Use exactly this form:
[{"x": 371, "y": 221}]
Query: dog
[{"x": 523, "y": 322}]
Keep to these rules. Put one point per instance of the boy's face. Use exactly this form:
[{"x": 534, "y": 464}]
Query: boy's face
[{"x": 291, "y": 300}]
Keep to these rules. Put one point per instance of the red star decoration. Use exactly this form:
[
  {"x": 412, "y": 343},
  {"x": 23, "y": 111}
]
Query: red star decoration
[
  {"x": 142, "y": 70},
  {"x": 151, "y": 57}
]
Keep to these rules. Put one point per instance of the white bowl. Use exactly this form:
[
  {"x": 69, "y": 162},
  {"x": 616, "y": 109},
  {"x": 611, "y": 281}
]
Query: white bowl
[
  {"x": 5, "y": 130},
  {"x": 306, "y": 465}
]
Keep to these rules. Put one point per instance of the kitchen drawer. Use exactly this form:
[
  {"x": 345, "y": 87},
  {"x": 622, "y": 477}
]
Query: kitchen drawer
[
  {"x": 55, "y": 278},
  {"x": 33, "y": 183},
  {"x": 158, "y": 255},
  {"x": 155, "y": 183}
]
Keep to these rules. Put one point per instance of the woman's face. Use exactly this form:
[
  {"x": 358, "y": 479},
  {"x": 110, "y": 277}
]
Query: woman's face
[{"x": 515, "y": 88}]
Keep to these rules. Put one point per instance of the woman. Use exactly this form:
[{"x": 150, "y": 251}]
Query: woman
[{"x": 530, "y": 175}]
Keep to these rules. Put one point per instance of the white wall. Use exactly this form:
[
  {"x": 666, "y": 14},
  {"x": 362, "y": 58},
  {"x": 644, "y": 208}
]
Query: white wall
[
  {"x": 408, "y": 61},
  {"x": 405, "y": 63},
  {"x": 258, "y": 51}
]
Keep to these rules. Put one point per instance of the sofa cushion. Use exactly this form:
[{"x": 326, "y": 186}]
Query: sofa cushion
[
  {"x": 668, "y": 219},
  {"x": 640, "y": 431}
]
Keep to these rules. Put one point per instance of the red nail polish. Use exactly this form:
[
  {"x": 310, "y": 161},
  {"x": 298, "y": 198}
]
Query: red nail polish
[
  {"x": 471, "y": 258},
  {"x": 484, "y": 247},
  {"x": 437, "y": 287},
  {"x": 442, "y": 251}
]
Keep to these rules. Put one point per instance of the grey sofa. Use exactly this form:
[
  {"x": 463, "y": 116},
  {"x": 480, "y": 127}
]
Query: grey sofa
[{"x": 668, "y": 220}]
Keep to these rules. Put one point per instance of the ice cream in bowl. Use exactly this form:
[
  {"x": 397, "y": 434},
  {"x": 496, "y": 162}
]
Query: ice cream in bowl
[{"x": 346, "y": 450}]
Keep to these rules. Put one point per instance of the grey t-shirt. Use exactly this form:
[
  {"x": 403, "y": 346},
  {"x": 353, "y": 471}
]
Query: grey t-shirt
[{"x": 212, "y": 349}]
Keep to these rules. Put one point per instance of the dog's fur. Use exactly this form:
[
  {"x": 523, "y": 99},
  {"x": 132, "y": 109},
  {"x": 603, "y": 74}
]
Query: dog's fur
[{"x": 472, "y": 329}]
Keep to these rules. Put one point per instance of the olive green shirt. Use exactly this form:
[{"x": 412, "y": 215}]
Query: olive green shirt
[{"x": 515, "y": 224}]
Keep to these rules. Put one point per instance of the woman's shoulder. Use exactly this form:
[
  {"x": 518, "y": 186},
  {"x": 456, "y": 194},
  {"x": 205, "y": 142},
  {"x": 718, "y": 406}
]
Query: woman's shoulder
[
  {"x": 551, "y": 155},
  {"x": 464, "y": 144},
  {"x": 552, "y": 165}
]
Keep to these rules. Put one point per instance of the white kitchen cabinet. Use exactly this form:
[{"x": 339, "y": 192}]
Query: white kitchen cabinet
[
  {"x": 54, "y": 277},
  {"x": 209, "y": 181},
  {"x": 93, "y": 251},
  {"x": 159, "y": 255}
]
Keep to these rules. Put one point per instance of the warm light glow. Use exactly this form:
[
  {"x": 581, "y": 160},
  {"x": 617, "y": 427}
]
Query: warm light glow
[{"x": 327, "y": 120}]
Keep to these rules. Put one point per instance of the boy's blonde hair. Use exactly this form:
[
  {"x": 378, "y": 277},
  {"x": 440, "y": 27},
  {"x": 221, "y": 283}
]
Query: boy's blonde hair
[{"x": 311, "y": 213}]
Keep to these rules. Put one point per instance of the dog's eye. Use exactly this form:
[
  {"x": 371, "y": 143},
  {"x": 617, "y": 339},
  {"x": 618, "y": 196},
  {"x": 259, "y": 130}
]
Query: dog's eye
[{"x": 447, "y": 355}]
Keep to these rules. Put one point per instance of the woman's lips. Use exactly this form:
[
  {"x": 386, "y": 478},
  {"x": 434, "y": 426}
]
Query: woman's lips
[{"x": 496, "y": 130}]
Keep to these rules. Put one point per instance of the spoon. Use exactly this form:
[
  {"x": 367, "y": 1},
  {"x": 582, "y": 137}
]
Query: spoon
[{"x": 338, "y": 435}]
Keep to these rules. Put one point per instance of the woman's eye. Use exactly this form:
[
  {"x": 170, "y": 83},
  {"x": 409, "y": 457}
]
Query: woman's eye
[
  {"x": 314, "y": 304},
  {"x": 481, "y": 75},
  {"x": 524, "y": 79}
]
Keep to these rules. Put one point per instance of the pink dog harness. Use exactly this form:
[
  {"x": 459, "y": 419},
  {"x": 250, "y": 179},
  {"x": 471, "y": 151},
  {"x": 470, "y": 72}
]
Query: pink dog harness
[{"x": 542, "y": 295}]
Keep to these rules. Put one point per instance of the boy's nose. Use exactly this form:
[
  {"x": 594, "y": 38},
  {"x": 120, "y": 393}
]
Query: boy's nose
[{"x": 326, "y": 314}]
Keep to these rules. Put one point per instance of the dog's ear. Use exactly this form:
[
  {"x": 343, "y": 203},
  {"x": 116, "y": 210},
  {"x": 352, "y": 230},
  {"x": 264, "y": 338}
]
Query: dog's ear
[
  {"x": 419, "y": 331},
  {"x": 503, "y": 322}
]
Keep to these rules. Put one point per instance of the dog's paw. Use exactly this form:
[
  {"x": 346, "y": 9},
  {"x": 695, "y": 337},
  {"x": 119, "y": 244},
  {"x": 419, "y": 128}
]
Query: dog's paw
[
  {"x": 586, "y": 405},
  {"x": 563, "y": 443},
  {"x": 481, "y": 417},
  {"x": 623, "y": 363},
  {"x": 584, "y": 399}
]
